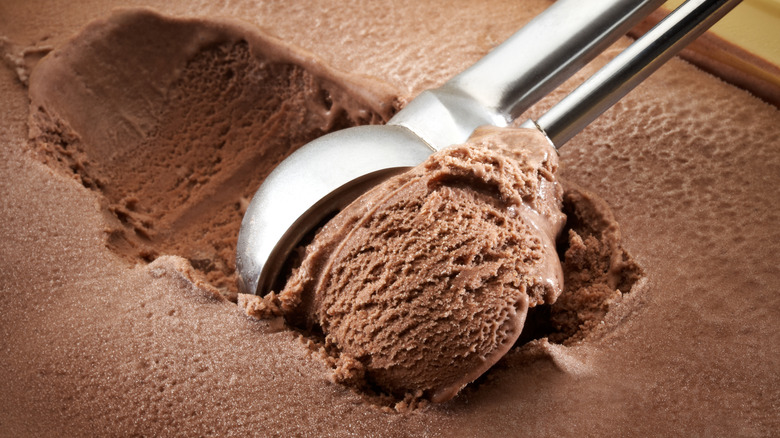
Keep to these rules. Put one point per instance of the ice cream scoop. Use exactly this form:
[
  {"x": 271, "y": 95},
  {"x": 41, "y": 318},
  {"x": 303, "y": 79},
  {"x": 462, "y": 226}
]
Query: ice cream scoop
[
  {"x": 325, "y": 175},
  {"x": 423, "y": 283}
]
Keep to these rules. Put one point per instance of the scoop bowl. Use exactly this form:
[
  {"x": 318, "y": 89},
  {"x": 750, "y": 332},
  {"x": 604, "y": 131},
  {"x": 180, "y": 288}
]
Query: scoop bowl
[{"x": 314, "y": 182}]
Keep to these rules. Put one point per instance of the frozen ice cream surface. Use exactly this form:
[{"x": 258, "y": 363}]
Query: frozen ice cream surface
[
  {"x": 113, "y": 154},
  {"x": 423, "y": 283}
]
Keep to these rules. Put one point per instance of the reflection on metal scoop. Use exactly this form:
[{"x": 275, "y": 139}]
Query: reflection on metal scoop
[{"x": 323, "y": 176}]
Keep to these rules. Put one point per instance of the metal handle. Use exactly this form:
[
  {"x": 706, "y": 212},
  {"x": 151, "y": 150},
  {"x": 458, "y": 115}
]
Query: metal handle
[
  {"x": 520, "y": 71},
  {"x": 547, "y": 51},
  {"x": 629, "y": 68}
]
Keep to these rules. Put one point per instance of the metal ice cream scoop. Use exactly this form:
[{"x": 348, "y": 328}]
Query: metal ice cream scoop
[{"x": 325, "y": 175}]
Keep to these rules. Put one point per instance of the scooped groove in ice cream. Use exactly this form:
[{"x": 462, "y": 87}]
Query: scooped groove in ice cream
[
  {"x": 176, "y": 122},
  {"x": 173, "y": 151},
  {"x": 423, "y": 283}
]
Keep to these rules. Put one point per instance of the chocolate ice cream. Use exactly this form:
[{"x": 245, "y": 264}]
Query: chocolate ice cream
[{"x": 97, "y": 340}]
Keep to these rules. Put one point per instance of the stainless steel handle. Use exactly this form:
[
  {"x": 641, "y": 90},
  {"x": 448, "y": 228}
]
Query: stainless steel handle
[
  {"x": 547, "y": 51},
  {"x": 520, "y": 71},
  {"x": 629, "y": 68}
]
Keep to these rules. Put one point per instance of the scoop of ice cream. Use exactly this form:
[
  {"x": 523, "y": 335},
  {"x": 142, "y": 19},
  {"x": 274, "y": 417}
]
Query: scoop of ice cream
[{"x": 423, "y": 283}]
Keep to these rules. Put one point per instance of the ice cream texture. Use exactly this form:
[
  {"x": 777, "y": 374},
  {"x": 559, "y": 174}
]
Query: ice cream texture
[
  {"x": 97, "y": 340},
  {"x": 424, "y": 282}
]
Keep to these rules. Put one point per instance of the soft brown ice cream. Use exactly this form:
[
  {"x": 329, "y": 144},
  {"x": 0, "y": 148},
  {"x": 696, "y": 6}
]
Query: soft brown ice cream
[
  {"x": 424, "y": 282},
  {"x": 96, "y": 341}
]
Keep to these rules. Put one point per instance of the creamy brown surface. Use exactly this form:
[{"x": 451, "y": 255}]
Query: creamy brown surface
[{"x": 689, "y": 165}]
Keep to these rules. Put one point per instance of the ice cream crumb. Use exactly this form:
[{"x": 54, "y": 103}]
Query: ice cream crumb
[
  {"x": 192, "y": 281},
  {"x": 265, "y": 307}
]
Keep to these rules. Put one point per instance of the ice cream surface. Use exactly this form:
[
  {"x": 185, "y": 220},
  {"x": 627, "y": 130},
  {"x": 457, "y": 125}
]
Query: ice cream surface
[
  {"x": 97, "y": 340},
  {"x": 424, "y": 282}
]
